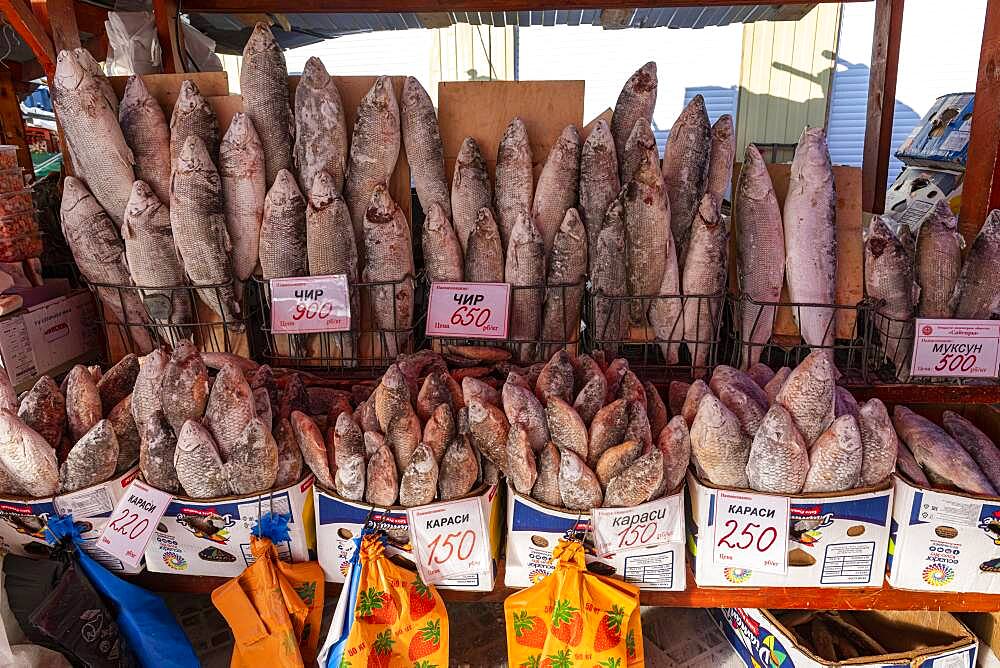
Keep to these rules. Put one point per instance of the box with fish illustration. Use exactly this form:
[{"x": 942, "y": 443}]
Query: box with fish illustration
[
  {"x": 534, "y": 530},
  {"x": 876, "y": 638},
  {"x": 339, "y": 521},
  {"x": 22, "y": 521},
  {"x": 941, "y": 138},
  {"x": 834, "y": 539},
  {"x": 212, "y": 536}
]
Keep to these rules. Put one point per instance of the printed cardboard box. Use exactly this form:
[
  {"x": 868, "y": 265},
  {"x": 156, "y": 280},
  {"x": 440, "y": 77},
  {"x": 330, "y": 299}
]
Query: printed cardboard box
[
  {"x": 834, "y": 540},
  {"x": 534, "y": 530},
  {"x": 22, "y": 521},
  {"x": 986, "y": 626},
  {"x": 212, "y": 537},
  {"x": 921, "y": 639},
  {"x": 942, "y": 136},
  {"x": 339, "y": 521}
]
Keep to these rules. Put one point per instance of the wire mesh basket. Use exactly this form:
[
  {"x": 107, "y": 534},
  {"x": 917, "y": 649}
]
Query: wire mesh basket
[
  {"x": 890, "y": 345},
  {"x": 379, "y": 331},
  {"x": 664, "y": 351}
]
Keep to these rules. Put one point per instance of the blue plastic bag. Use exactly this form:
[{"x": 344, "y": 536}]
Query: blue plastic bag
[{"x": 332, "y": 653}]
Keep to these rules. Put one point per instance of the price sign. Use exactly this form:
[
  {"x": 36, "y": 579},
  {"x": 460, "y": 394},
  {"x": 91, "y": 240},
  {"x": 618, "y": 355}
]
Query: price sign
[
  {"x": 751, "y": 531},
  {"x": 630, "y": 529},
  {"x": 962, "y": 348},
  {"x": 449, "y": 539},
  {"x": 468, "y": 310},
  {"x": 310, "y": 304},
  {"x": 132, "y": 522}
]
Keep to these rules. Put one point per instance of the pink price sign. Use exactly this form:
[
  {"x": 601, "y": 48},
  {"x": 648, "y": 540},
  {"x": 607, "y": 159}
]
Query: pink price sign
[
  {"x": 956, "y": 348},
  {"x": 468, "y": 310},
  {"x": 310, "y": 304}
]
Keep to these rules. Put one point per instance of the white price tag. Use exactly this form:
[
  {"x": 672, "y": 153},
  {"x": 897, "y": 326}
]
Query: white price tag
[
  {"x": 310, "y": 304},
  {"x": 468, "y": 310},
  {"x": 449, "y": 539},
  {"x": 956, "y": 348},
  {"x": 629, "y": 529},
  {"x": 133, "y": 521},
  {"x": 751, "y": 531}
]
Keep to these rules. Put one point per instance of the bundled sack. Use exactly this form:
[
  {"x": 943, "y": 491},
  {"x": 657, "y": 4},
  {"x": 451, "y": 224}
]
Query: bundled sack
[{"x": 574, "y": 615}]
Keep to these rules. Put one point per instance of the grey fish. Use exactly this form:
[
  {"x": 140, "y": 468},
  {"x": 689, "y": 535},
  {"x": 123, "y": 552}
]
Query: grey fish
[
  {"x": 564, "y": 295},
  {"x": 811, "y": 237},
  {"x": 418, "y": 484},
  {"x": 350, "y": 476},
  {"x": 156, "y": 453},
  {"x": 458, "y": 470},
  {"x": 719, "y": 448},
  {"x": 200, "y": 470},
  {"x": 313, "y": 448},
  {"x": 638, "y": 483},
  {"x": 330, "y": 242},
  {"x": 184, "y": 387},
  {"x": 193, "y": 117},
  {"x": 126, "y": 433},
  {"x": 283, "y": 230},
  {"x": 146, "y": 392},
  {"x": 525, "y": 271},
  {"x": 747, "y": 411},
  {"x": 484, "y": 261},
  {"x": 640, "y": 144},
  {"x": 879, "y": 443},
  {"x": 779, "y": 456},
  {"x": 515, "y": 181},
  {"x": 229, "y": 409},
  {"x": 241, "y": 171},
  {"x": 835, "y": 458},
  {"x": 43, "y": 409},
  {"x": 908, "y": 466},
  {"x": 674, "y": 443},
  {"x": 470, "y": 190},
  {"x": 424, "y": 152},
  {"x": 808, "y": 394},
  {"x": 607, "y": 429},
  {"x": 374, "y": 151},
  {"x": 685, "y": 170},
  {"x": 382, "y": 479},
  {"x": 557, "y": 185},
  {"x": 26, "y": 458},
  {"x": 556, "y": 378},
  {"x": 889, "y": 280},
  {"x": 83, "y": 402},
  {"x": 100, "y": 256},
  {"x": 145, "y": 130},
  {"x": 93, "y": 68},
  {"x": 635, "y": 102},
  {"x": 289, "y": 455},
  {"x": 546, "y": 488},
  {"x": 264, "y": 87},
  {"x": 101, "y": 157},
  {"x": 389, "y": 258},
  {"x": 320, "y": 127},
  {"x": 608, "y": 279},
  {"x": 524, "y": 409},
  {"x": 938, "y": 261},
  {"x": 721, "y": 156},
  {"x": 760, "y": 247},
  {"x": 92, "y": 460},
  {"x": 579, "y": 488},
  {"x": 488, "y": 429},
  {"x": 945, "y": 461},
  {"x": 403, "y": 435},
  {"x": 706, "y": 274},
  {"x": 442, "y": 250},
  {"x": 253, "y": 464},
  {"x": 599, "y": 183},
  {"x": 650, "y": 253},
  {"x": 982, "y": 449},
  {"x": 977, "y": 293},
  {"x": 199, "y": 226}
]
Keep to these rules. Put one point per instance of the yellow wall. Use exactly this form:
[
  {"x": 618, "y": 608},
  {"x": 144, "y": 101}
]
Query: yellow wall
[{"x": 466, "y": 53}]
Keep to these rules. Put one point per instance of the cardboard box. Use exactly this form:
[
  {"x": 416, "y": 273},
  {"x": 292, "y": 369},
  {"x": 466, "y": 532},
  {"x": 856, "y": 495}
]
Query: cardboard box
[
  {"x": 916, "y": 190},
  {"x": 339, "y": 521},
  {"x": 22, "y": 521},
  {"x": 212, "y": 537},
  {"x": 48, "y": 337},
  {"x": 845, "y": 536},
  {"x": 921, "y": 639},
  {"x": 941, "y": 139},
  {"x": 534, "y": 530},
  {"x": 986, "y": 626}
]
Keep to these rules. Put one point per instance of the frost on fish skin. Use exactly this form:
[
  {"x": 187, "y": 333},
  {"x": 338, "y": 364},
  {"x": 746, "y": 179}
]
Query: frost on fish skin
[
  {"x": 719, "y": 448},
  {"x": 546, "y": 488},
  {"x": 779, "y": 458},
  {"x": 521, "y": 465},
  {"x": 835, "y": 458},
  {"x": 459, "y": 470},
  {"x": 616, "y": 459},
  {"x": 638, "y": 483},
  {"x": 566, "y": 429},
  {"x": 579, "y": 488},
  {"x": 418, "y": 485},
  {"x": 607, "y": 429}
]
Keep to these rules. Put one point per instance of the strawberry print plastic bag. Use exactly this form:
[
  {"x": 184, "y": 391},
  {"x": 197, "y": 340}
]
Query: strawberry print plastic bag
[
  {"x": 574, "y": 619},
  {"x": 398, "y": 620}
]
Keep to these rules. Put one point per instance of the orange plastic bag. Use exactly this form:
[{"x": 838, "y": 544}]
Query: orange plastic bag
[
  {"x": 574, "y": 618},
  {"x": 398, "y": 620}
]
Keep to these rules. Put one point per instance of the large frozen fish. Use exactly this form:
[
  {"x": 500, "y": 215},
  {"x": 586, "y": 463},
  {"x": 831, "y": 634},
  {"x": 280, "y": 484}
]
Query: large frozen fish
[
  {"x": 442, "y": 249},
  {"x": 515, "y": 181},
  {"x": 879, "y": 443},
  {"x": 470, "y": 190},
  {"x": 389, "y": 259},
  {"x": 938, "y": 262},
  {"x": 889, "y": 280},
  {"x": 808, "y": 394},
  {"x": 488, "y": 427},
  {"x": 685, "y": 170},
  {"x": 93, "y": 68},
  {"x": 253, "y": 465},
  {"x": 484, "y": 262},
  {"x": 525, "y": 270},
  {"x": 146, "y": 131},
  {"x": 608, "y": 279},
  {"x": 283, "y": 230},
  {"x": 289, "y": 455},
  {"x": 229, "y": 409},
  {"x": 184, "y": 386},
  {"x": 640, "y": 482},
  {"x": 982, "y": 449},
  {"x": 706, "y": 274},
  {"x": 156, "y": 453},
  {"x": 760, "y": 247},
  {"x": 193, "y": 117},
  {"x": 43, "y": 409},
  {"x": 92, "y": 460},
  {"x": 835, "y": 458},
  {"x": 674, "y": 443},
  {"x": 523, "y": 408},
  {"x": 721, "y": 155},
  {"x": 640, "y": 142},
  {"x": 811, "y": 237},
  {"x": 101, "y": 157},
  {"x": 419, "y": 481},
  {"x": 564, "y": 296},
  {"x": 199, "y": 226},
  {"x": 27, "y": 459},
  {"x": 557, "y": 185},
  {"x": 599, "y": 183},
  {"x": 650, "y": 252},
  {"x": 635, "y": 102},
  {"x": 241, "y": 170},
  {"x": 977, "y": 293},
  {"x": 146, "y": 393},
  {"x": 374, "y": 150},
  {"x": 579, "y": 488},
  {"x": 320, "y": 127},
  {"x": 458, "y": 470},
  {"x": 313, "y": 448},
  {"x": 424, "y": 152},
  {"x": 117, "y": 382},
  {"x": 200, "y": 470},
  {"x": 100, "y": 256},
  {"x": 719, "y": 448},
  {"x": 264, "y": 86},
  {"x": 83, "y": 402},
  {"x": 908, "y": 466}
]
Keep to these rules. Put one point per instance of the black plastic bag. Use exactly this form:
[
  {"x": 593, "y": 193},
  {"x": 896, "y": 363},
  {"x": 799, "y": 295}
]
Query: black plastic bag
[{"x": 27, "y": 583}]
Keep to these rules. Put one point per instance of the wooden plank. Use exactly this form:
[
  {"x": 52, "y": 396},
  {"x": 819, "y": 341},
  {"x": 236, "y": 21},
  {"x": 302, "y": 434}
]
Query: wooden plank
[
  {"x": 981, "y": 190},
  {"x": 881, "y": 103},
  {"x": 419, "y": 6},
  {"x": 63, "y": 24},
  {"x": 165, "y": 13},
  {"x": 27, "y": 25},
  {"x": 589, "y": 127},
  {"x": 12, "y": 123},
  {"x": 165, "y": 87}
]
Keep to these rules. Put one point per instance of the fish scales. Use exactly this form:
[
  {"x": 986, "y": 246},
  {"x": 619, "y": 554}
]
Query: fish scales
[
  {"x": 424, "y": 151},
  {"x": 649, "y": 244},
  {"x": 637, "y": 484},
  {"x": 229, "y": 409},
  {"x": 83, "y": 402},
  {"x": 126, "y": 433},
  {"x": 193, "y": 117},
  {"x": 515, "y": 180},
  {"x": 93, "y": 68},
  {"x": 523, "y": 408},
  {"x": 779, "y": 456},
  {"x": 419, "y": 481},
  {"x": 43, "y": 409},
  {"x": 118, "y": 382},
  {"x": 943, "y": 459},
  {"x": 241, "y": 171},
  {"x": 283, "y": 251},
  {"x": 389, "y": 260},
  {"x": 146, "y": 393},
  {"x": 26, "y": 458},
  {"x": 459, "y": 470},
  {"x": 470, "y": 190},
  {"x": 525, "y": 271},
  {"x": 608, "y": 277},
  {"x": 982, "y": 449},
  {"x": 636, "y": 102},
  {"x": 879, "y": 443},
  {"x": 484, "y": 260},
  {"x": 92, "y": 460},
  {"x": 938, "y": 262},
  {"x": 674, "y": 442},
  {"x": 557, "y": 185},
  {"x": 685, "y": 170},
  {"x": 156, "y": 453},
  {"x": 977, "y": 293},
  {"x": 264, "y": 87},
  {"x": 564, "y": 295},
  {"x": 146, "y": 132},
  {"x": 579, "y": 488},
  {"x": 889, "y": 280},
  {"x": 200, "y": 470},
  {"x": 320, "y": 127},
  {"x": 641, "y": 142},
  {"x": 719, "y": 448},
  {"x": 705, "y": 275},
  {"x": 599, "y": 183},
  {"x": 442, "y": 250},
  {"x": 835, "y": 458},
  {"x": 184, "y": 387},
  {"x": 808, "y": 394},
  {"x": 721, "y": 156},
  {"x": 546, "y": 487},
  {"x": 253, "y": 466}
]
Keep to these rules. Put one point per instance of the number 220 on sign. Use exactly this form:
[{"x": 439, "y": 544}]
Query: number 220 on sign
[
  {"x": 132, "y": 522},
  {"x": 751, "y": 532}
]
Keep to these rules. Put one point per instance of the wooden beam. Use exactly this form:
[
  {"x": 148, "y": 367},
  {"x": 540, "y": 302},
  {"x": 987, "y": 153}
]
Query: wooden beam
[
  {"x": 881, "y": 104},
  {"x": 981, "y": 189},
  {"x": 393, "y": 6},
  {"x": 62, "y": 21},
  {"x": 12, "y": 123},
  {"x": 165, "y": 12},
  {"x": 27, "y": 25}
]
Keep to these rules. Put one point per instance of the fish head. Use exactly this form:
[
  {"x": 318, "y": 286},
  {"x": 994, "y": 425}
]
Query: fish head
[
  {"x": 87, "y": 61},
  {"x": 569, "y": 139},
  {"x": 514, "y": 145},
  {"x": 74, "y": 190},
  {"x": 943, "y": 216},
  {"x": 572, "y": 225},
  {"x": 136, "y": 94},
  {"x": 880, "y": 238},
  {"x": 643, "y": 80},
  {"x": 414, "y": 92},
  {"x": 436, "y": 221},
  {"x": 381, "y": 96},
  {"x": 812, "y": 154},
  {"x": 469, "y": 155},
  {"x": 314, "y": 74},
  {"x": 70, "y": 74},
  {"x": 755, "y": 181},
  {"x": 194, "y": 156},
  {"x": 189, "y": 98},
  {"x": 324, "y": 190},
  {"x": 261, "y": 40},
  {"x": 486, "y": 224},
  {"x": 383, "y": 208},
  {"x": 140, "y": 200},
  {"x": 709, "y": 210},
  {"x": 694, "y": 113},
  {"x": 240, "y": 134},
  {"x": 284, "y": 190},
  {"x": 393, "y": 378},
  {"x": 723, "y": 130}
]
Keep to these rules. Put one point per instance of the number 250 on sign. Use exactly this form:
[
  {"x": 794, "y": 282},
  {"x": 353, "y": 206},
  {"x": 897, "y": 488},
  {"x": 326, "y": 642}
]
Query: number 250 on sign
[{"x": 751, "y": 532}]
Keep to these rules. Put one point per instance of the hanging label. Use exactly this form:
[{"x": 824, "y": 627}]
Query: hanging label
[
  {"x": 449, "y": 539},
  {"x": 133, "y": 521},
  {"x": 468, "y": 310},
  {"x": 751, "y": 531},
  {"x": 619, "y": 530},
  {"x": 956, "y": 348},
  {"x": 310, "y": 304}
]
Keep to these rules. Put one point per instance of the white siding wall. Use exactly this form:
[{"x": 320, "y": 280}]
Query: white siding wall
[{"x": 391, "y": 52}]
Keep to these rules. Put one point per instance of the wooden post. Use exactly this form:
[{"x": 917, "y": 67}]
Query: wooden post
[
  {"x": 165, "y": 12},
  {"x": 62, "y": 21},
  {"x": 27, "y": 25},
  {"x": 981, "y": 189},
  {"x": 881, "y": 104},
  {"x": 12, "y": 123}
]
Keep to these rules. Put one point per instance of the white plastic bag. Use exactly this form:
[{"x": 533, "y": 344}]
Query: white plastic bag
[
  {"x": 132, "y": 44},
  {"x": 200, "y": 50}
]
